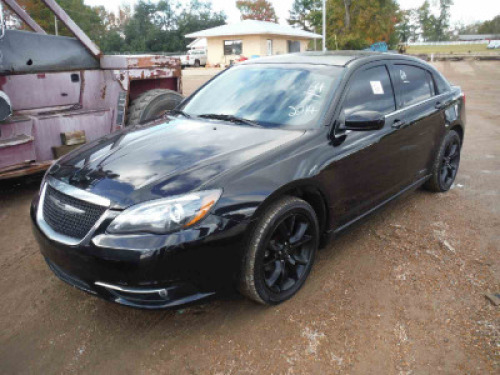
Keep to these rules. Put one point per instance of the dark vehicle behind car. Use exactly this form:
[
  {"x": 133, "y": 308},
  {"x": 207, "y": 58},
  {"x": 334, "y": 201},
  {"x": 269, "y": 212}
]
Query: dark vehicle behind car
[{"x": 241, "y": 183}]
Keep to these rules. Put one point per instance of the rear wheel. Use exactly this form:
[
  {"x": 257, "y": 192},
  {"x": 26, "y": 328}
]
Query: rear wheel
[
  {"x": 281, "y": 252},
  {"x": 197, "y": 63},
  {"x": 151, "y": 105},
  {"x": 445, "y": 167}
]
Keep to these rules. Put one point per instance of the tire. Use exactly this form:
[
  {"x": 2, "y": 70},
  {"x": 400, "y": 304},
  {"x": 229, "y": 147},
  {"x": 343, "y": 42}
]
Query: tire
[
  {"x": 151, "y": 105},
  {"x": 445, "y": 166},
  {"x": 268, "y": 275},
  {"x": 197, "y": 63}
]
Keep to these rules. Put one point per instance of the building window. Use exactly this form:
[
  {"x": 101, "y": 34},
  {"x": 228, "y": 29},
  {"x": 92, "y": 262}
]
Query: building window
[
  {"x": 293, "y": 46},
  {"x": 232, "y": 47}
]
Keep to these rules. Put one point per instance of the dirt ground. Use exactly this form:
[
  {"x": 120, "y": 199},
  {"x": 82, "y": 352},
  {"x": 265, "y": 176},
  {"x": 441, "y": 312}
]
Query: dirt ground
[{"x": 401, "y": 293}]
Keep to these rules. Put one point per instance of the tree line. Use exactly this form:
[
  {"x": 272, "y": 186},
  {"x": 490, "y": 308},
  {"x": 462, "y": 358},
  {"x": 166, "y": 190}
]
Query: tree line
[
  {"x": 150, "y": 27},
  {"x": 351, "y": 24}
]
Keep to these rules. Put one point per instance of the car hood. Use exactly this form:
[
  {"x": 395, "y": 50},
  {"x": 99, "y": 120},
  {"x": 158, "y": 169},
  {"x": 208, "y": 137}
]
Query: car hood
[{"x": 164, "y": 159}]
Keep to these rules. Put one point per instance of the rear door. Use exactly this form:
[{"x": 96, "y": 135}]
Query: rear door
[{"x": 423, "y": 116}]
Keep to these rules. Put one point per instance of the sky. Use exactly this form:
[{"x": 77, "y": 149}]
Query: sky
[{"x": 464, "y": 11}]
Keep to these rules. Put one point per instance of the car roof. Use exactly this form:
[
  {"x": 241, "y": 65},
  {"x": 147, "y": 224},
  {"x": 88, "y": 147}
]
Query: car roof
[{"x": 334, "y": 58}]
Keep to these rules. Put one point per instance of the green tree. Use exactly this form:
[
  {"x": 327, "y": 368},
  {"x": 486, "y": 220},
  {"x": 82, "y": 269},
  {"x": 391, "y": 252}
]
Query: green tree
[
  {"x": 490, "y": 27},
  {"x": 261, "y": 10},
  {"x": 161, "y": 27},
  {"x": 306, "y": 14},
  {"x": 442, "y": 21},
  {"x": 86, "y": 17},
  {"x": 426, "y": 20},
  {"x": 356, "y": 24},
  {"x": 407, "y": 27}
]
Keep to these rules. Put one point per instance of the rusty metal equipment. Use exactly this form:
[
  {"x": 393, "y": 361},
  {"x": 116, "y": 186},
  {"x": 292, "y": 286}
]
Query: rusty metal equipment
[{"x": 52, "y": 85}]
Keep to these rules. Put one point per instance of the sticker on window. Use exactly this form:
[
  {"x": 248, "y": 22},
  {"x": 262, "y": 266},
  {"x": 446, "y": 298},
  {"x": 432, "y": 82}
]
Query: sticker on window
[
  {"x": 377, "y": 87},
  {"x": 402, "y": 74}
]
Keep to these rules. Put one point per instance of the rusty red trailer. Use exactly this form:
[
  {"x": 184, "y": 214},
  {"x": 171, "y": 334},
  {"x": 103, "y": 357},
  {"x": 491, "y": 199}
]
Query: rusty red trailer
[{"x": 56, "y": 84}]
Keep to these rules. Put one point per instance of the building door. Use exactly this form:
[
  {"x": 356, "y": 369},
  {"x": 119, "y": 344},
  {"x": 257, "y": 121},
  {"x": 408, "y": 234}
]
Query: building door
[{"x": 269, "y": 47}]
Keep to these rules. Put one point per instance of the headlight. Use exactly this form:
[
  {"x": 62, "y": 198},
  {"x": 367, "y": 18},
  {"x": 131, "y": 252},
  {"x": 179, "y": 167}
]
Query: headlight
[{"x": 165, "y": 215}]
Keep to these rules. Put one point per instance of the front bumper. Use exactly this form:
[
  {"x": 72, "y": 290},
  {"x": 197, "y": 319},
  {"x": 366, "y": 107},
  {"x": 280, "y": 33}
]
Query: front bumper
[{"x": 146, "y": 270}]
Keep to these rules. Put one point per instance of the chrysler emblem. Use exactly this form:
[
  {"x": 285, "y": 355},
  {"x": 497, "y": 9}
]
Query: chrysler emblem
[{"x": 66, "y": 207}]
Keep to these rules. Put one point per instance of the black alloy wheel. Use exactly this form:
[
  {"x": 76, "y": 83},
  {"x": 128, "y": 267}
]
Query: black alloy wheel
[
  {"x": 449, "y": 163},
  {"x": 281, "y": 252},
  {"x": 288, "y": 252},
  {"x": 446, "y": 163}
]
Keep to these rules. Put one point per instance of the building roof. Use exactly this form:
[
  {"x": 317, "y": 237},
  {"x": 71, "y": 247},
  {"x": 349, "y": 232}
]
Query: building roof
[{"x": 253, "y": 27}]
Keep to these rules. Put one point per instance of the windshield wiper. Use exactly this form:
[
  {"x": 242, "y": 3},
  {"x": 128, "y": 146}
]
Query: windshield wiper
[
  {"x": 178, "y": 112},
  {"x": 230, "y": 118}
]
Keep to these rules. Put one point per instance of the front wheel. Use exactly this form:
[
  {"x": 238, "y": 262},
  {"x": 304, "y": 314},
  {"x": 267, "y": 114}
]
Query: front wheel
[
  {"x": 445, "y": 166},
  {"x": 281, "y": 252}
]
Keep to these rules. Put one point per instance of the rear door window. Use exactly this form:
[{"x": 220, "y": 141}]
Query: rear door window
[
  {"x": 371, "y": 90},
  {"x": 416, "y": 84}
]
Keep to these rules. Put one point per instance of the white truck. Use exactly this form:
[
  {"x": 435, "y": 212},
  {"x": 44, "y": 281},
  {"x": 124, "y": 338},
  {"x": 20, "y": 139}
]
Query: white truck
[
  {"x": 194, "y": 57},
  {"x": 494, "y": 44}
]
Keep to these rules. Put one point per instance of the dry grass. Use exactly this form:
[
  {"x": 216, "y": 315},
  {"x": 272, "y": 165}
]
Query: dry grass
[{"x": 452, "y": 49}]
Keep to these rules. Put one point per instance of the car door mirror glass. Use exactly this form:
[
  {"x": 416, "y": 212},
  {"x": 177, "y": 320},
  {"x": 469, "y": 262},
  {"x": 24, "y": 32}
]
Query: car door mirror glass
[{"x": 364, "y": 120}]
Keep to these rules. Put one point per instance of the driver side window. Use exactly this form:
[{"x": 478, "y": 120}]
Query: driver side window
[{"x": 370, "y": 90}]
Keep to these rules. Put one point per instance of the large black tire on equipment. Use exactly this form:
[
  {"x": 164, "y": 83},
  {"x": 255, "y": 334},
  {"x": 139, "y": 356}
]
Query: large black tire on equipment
[
  {"x": 445, "y": 166},
  {"x": 151, "y": 105},
  {"x": 280, "y": 252}
]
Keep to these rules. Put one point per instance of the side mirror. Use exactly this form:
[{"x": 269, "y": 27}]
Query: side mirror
[{"x": 364, "y": 120}]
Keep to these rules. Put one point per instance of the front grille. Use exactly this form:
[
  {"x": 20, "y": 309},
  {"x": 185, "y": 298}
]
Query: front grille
[{"x": 69, "y": 216}]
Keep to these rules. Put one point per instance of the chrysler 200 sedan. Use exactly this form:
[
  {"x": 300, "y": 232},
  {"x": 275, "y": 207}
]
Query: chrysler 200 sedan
[{"x": 242, "y": 182}]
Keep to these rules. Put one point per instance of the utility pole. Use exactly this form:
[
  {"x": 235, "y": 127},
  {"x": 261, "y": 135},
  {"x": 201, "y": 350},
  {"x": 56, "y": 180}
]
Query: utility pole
[
  {"x": 324, "y": 25},
  {"x": 55, "y": 25},
  {"x": 315, "y": 47}
]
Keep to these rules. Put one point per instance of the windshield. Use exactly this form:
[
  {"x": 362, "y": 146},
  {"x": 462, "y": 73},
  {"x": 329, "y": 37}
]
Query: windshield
[{"x": 269, "y": 95}]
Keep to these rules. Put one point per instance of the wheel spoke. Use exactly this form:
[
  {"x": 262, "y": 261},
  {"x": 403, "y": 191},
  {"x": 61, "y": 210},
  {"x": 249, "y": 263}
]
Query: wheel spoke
[
  {"x": 444, "y": 173},
  {"x": 271, "y": 280},
  {"x": 299, "y": 234},
  {"x": 299, "y": 260},
  {"x": 283, "y": 275},
  {"x": 287, "y": 284},
  {"x": 453, "y": 151},
  {"x": 301, "y": 242}
]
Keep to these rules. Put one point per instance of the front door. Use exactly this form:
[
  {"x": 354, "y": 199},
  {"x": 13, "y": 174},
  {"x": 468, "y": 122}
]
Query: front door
[
  {"x": 366, "y": 167},
  {"x": 269, "y": 47}
]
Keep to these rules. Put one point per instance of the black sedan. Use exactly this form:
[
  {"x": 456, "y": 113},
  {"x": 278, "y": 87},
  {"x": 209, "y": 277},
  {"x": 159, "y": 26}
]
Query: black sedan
[{"x": 242, "y": 183}]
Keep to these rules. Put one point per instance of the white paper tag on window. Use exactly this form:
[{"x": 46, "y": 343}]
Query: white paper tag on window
[{"x": 377, "y": 87}]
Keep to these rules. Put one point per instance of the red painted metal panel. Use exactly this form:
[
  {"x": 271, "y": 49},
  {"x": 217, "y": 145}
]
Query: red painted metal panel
[
  {"x": 47, "y": 129},
  {"x": 29, "y": 91},
  {"x": 20, "y": 153},
  {"x": 139, "y": 86}
]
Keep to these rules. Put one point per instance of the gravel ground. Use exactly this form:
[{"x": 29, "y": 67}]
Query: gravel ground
[{"x": 401, "y": 293}]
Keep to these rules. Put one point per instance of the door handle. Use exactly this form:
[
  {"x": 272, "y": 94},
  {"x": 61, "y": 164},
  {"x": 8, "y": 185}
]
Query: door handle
[
  {"x": 398, "y": 124},
  {"x": 440, "y": 105}
]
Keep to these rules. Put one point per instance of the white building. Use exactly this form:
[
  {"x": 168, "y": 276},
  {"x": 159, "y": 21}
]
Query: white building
[{"x": 251, "y": 38}]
